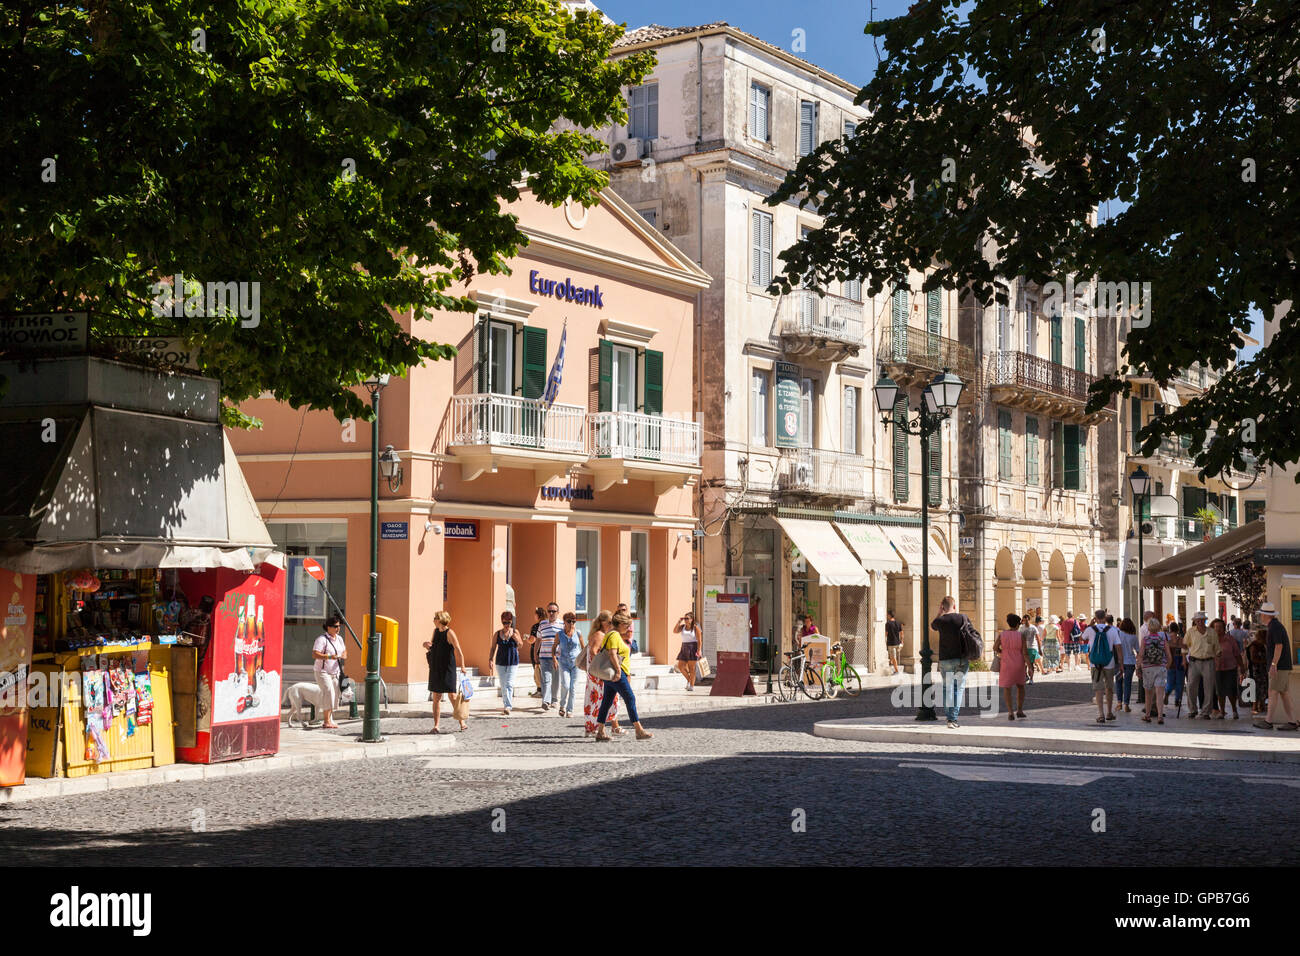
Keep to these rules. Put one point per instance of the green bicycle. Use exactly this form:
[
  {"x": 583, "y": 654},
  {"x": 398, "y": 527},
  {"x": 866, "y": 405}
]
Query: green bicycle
[{"x": 838, "y": 674}]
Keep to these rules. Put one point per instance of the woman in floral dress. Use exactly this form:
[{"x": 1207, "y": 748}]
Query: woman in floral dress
[{"x": 595, "y": 686}]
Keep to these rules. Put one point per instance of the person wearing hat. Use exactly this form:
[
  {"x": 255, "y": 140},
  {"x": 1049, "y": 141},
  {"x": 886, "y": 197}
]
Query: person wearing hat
[
  {"x": 1279, "y": 671},
  {"x": 1202, "y": 648},
  {"x": 1052, "y": 642}
]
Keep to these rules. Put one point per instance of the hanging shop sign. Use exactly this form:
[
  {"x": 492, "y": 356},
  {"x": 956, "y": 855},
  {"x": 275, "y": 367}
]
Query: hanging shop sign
[
  {"x": 461, "y": 530},
  {"x": 166, "y": 351},
  {"x": 787, "y": 405},
  {"x": 566, "y": 290}
]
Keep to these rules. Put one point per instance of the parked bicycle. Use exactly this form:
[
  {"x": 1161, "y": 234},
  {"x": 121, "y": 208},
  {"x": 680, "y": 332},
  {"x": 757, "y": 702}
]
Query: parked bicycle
[
  {"x": 838, "y": 674},
  {"x": 796, "y": 676}
]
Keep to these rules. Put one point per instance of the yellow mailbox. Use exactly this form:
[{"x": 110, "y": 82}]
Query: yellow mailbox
[{"x": 388, "y": 638}]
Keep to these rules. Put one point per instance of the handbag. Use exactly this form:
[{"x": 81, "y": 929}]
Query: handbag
[
  {"x": 997, "y": 663},
  {"x": 702, "y": 667},
  {"x": 459, "y": 707},
  {"x": 602, "y": 665}
]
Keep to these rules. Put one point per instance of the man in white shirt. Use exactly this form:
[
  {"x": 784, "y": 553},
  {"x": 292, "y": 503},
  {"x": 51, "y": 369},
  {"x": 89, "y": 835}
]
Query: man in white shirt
[{"x": 1103, "y": 677}]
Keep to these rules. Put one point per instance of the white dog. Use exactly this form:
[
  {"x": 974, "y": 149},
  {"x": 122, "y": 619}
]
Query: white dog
[{"x": 308, "y": 692}]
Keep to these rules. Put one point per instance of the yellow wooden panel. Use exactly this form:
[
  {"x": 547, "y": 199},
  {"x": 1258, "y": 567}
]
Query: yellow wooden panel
[
  {"x": 160, "y": 659},
  {"x": 43, "y": 730}
]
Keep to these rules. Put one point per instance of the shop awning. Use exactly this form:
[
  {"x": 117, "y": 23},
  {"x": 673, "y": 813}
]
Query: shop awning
[
  {"x": 819, "y": 543},
  {"x": 121, "y": 489},
  {"x": 873, "y": 549},
  {"x": 1181, "y": 569},
  {"x": 907, "y": 541}
]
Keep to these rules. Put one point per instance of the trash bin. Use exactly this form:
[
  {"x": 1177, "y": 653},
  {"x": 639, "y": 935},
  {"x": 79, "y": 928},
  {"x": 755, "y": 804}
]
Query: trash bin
[{"x": 758, "y": 653}]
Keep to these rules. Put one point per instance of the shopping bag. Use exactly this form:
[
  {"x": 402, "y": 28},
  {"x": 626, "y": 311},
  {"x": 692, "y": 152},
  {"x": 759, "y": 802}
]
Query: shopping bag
[
  {"x": 702, "y": 668},
  {"x": 459, "y": 707},
  {"x": 466, "y": 687}
]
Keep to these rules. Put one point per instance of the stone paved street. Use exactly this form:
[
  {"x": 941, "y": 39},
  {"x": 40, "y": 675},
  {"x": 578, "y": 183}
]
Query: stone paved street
[{"x": 713, "y": 787}]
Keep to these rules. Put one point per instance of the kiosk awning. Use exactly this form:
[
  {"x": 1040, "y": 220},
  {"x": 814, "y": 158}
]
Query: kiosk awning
[
  {"x": 819, "y": 543},
  {"x": 1180, "y": 570},
  {"x": 872, "y": 547},
  {"x": 907, "y": 541}
]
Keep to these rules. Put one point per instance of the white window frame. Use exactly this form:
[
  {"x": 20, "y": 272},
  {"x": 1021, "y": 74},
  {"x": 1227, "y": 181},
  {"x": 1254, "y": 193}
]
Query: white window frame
[
  {"x": 760, "y": 406},
  {"x": 807, "y": 412},
  {"x": 646, "y": 128},
  {"x": 850, "y": 421},
  {"x": 614, "y": 380},
  {"x": 1031, "y": 324},
  {"x": 760, "y": 98},
  {"x": 510, "y": 330},
  {"x": 756, "y": 219}
]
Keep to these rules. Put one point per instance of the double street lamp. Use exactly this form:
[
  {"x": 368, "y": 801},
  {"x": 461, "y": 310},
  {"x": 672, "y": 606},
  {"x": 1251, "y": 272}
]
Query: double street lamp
[
  {"x": 1140, "y": 484},
  {"x": 940, "y": 399}
]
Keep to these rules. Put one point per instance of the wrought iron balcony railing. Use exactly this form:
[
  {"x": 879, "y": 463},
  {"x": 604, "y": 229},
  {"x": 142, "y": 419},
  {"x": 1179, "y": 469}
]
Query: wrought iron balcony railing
[
  {"x": 631, "y": 435},
  {"x": 818, "y": 471},
  {"x": 906, "y": 345},
  {"x": 506, "y": 420}
]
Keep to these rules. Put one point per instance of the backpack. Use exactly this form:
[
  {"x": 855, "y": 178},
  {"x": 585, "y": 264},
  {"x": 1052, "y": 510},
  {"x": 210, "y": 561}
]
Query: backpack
[
  {"x": 972, "y": 644},
  {"x": 1153, "y": 650},
  {"x": 1100, "y": 655}
]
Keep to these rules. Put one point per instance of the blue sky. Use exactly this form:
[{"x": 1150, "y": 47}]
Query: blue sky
[{"x": 833, "y": 34}]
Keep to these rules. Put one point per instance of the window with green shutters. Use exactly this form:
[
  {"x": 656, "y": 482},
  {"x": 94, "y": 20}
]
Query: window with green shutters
[
  {"x": 932, "y": 484},
  {"x": 933, "y": 322},
  {"x": 1083, "y": 457},
  {"x": 1004, "y": 444},
  {"x": 1080, "y": 345},
  {"x": 1230, "y": 511},
  {"x": 899, "y": 323},
  {"x": 760, "y": 271},
  {"x": 534, "y": 364},
  {"x": 1254, "y": 510},
  {"x": 654, "y": 382},
  {"x": 482, "y": 365},
  {"x": 1031, "y": 451},
  {"x": 1058, "y": 345},
  {"x": 1135, "y": 422},
  {"x": 1073, "y": 459},
  {"x": 900, "y": 449},
  {"x": 605, "y": 376}
]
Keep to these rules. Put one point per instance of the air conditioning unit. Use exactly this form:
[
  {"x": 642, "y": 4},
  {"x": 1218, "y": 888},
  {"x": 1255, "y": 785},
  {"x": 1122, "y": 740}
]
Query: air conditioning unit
[
  {"x": 802, "y": 475},
  {"x": 627, "y": 152}
]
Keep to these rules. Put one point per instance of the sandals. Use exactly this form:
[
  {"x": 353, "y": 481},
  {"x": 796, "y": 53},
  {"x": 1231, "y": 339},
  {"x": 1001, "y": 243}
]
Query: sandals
[
  {"x": 1101, "y": 720},
  {"x": 1020, "y": 714},
  {"x": 1160, "y": 720},
  {"x": 1011, "y": 716},
  {"x": 1262, "y": 724},
  {"x": 1146, "y": 719},
  {"x": 1110, "y": 716}
]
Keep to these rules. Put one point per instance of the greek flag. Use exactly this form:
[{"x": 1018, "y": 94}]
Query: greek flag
[{"x": 557, "y": 371}]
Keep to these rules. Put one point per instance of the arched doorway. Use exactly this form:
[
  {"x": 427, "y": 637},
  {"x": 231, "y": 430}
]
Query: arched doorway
[
  {"x": 1004, "y": 589},
  {"x": 1082, "y": 596},
  {"x": 1031, "y": 571},
  {"x": 1058, "y": 585}
]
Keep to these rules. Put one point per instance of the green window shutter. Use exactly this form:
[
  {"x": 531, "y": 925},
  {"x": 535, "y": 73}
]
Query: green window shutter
[
  {"x": 654, "y": 382},
  {"x": 1004, "y": 444},
  {"x": 933, "y": 312},
  {"x": 482, "y": 361},
  {"x": 900, "y": 307},
  {"x": 1058, "y": 454},
  {"x": 1083, "y": 457},
  {"x": 1031, "y": 451},
  {"x": 900, "y": 448},
  {"x": 1135, "y": 422},
  {"x": 534, "y": 352},
  {"x": 1230, "y": 511},
  {"x": 932, "y": 484},
  {"x": 1080, "y": 345},
  {"x": 1070, "y": 438},
  {"x": 1057, "y": 345},
  {"x": 605, "y": 377}
]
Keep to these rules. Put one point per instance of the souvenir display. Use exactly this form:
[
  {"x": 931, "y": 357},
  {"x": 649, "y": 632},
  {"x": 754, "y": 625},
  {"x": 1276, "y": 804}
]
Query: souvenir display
[{"x": 144, "y": 699}]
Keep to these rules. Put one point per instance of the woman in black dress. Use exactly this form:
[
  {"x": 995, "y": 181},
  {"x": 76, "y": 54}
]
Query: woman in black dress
[{"x": 443, "y": 678}]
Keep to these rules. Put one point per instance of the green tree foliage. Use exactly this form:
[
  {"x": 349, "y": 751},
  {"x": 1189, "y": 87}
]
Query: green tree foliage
[
  {"x": 216, "y": 139},
  {"x": 997, "y": 128}
]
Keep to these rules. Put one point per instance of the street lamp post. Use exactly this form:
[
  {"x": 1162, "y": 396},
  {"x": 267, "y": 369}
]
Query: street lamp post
[
  {"x": 370, "y": 723},
  {"x": 940, "y": 398},
  {"x": 1140, "y": 483}
]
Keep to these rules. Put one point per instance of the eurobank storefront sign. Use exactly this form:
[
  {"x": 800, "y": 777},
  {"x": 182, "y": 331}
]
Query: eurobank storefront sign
[{"x": 566, "y": 290}]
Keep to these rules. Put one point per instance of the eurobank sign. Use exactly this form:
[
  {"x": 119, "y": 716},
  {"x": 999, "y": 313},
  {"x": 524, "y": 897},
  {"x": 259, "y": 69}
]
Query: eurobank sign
[{"x": 566, "y": 290}]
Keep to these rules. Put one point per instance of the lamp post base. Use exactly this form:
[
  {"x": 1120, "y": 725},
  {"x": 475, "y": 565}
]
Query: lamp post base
[{"x": 926, "y": 710}]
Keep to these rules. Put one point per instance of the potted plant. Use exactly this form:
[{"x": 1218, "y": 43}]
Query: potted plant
[{"x": 1209, "y": 519}]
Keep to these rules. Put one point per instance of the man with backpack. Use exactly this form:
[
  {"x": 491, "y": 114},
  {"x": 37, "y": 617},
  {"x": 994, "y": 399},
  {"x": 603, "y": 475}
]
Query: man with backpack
[
  {"x": 1105, "y": 646},
  {"x": 959, "y": 643}
]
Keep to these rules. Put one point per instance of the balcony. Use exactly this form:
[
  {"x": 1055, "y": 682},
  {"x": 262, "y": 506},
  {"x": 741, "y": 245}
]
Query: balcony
[
  {"x": 489, "y": 431},
  {"x": 1185, "y": 529},
  {"x": 819, "y": 473},
  {"x": 1037, "y": 385},
  {"x": 824, "y": 327},
  {"x": 1195, "y": 379},
  {"x": 912, "y": 357},
  {"x": 623, "y": 445}
]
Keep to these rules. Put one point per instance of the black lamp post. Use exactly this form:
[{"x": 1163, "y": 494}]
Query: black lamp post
[
  {"x": 1140, "y": 483},
  {"x": 940, "y": 398},
  {"x": 370, "y": 723}
]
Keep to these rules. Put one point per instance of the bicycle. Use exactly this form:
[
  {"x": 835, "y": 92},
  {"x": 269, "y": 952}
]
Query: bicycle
[
  {"x": 838, "y": 674},
  {"x": 795, "y": 676}
]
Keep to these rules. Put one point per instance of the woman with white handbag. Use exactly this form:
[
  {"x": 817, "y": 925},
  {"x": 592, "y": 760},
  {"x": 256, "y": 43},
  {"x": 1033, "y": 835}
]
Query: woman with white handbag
[
  {"x": 595, "y": 686},
  {"x": 610, "y": 664}
]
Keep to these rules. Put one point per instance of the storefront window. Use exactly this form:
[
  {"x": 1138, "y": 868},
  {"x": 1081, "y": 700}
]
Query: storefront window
[
  {"x": 306, "y": 606},
  {"x": 586, "y": 598},
  {"x": 638, "y": 589}
]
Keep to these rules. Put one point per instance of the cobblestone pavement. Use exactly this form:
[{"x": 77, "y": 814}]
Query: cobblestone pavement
[{"x": 743, "y": 786}]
